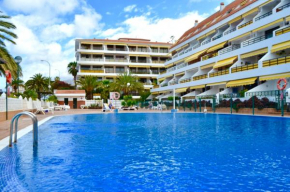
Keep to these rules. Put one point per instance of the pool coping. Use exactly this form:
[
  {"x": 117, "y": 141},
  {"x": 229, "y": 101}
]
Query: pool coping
[{"x": 5, "y": 142}]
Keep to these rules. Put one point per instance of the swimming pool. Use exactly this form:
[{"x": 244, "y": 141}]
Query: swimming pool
[{"x": 151, "y": 152}]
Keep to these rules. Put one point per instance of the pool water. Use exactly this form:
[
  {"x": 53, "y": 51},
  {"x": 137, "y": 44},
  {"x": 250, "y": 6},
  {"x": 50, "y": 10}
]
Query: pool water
[{"x": 151, "y": 152}]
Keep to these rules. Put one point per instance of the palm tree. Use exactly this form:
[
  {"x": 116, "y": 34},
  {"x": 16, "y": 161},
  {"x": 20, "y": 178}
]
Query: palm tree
[
  {"x": 105, "y": 87},
  {"x": 127, "y": 83},
  {"x": 72, "y": 69},
  {"x": 88, "y": 83},
  {"x": 38, "y": 83},
  {"x": 7, "y": 35},
  {"x": 16, "y": 83}
]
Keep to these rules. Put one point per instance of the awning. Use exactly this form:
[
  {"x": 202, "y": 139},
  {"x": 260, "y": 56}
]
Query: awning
[
  {"x": 216, "y": 47},
  {"x": 241, "y": 36},
  {"x": 241, "y": 82},
  {"x": 201, "y": 37},
  {"x": 170, "y": 65},
  {"x": 169, "y": 76},
  {"x": 156, "y": 66},
  {"x": 178, "y": 61},
  {"x": 219, "y": 83},
  {"x": 268, "y": 25},
  {"x": 198, "y": 87},
  {"x": 287, "y": 18},
  {"x": 207, "y": 66},
  {"x": 250, "y": 12},
  {"x": 276, "y": 76},
  {"x": 280, "y": 46},
  {"x": 143, "y": 66},
  {"x": 194, "y": 56},
  {"x": 154, "y": 93},
  {"x": 225, "y": 62},
  {"x": 182, "y": 73},
  {"x": 161, "y": 79},
  {"x": 116, "y": 44},
  {"x": 235, "y": 19},
  {"x": 266, "y": 3},
  {"x": 133, "y": 55},
  {"x": 191, "y": 94},
  {"x": 254, "y": 53},
  {"x": 182, "y": 47},
  {"x": 211, "y": 32},
  {"x": 181, "y": 90}
]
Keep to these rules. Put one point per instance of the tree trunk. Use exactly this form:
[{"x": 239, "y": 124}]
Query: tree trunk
[{"x": 75, "y": 81}]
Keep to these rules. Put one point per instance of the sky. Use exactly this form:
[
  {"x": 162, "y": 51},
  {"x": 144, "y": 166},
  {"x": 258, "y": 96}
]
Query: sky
[{"x": 47, "y": 29}]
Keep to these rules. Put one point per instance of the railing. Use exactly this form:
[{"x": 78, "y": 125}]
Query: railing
[
  {"x": 176, "y": 55},
  {"x": 116, "y": 60},
  {"x": 208, "y": 56},
  {"x": 181, "y": 65},
  {"x": 229, "y": 31},
  {"x": 91, "y": 71},
  {"x": 84, "y": 47},
  {"x": 163, "y": 51},
  {"x": 119, "y": 49},
  {"x": 173, "y": 83},
  {"x": 140, "y": 72},
  {"x": 187, "y": 50},
  {"x": 200, "y": 77},
  {"x": 219, "y": 73},
  {"x": 253, "y": 40},
  {"x": 245, "y": 24},
  {"x": 217, "y": 37},
  {"x": 229, "y": 49},
  {"x": 195, "y": 46},
  {"x": 181, "y": 53},
  {"x": 185, "y": 80},
  {"x": 244, "y": 68},
  {"x": 35, "y": 128},
  {"x": 147, "y": 83},
  {"x": 158, "y": 61},
  {"x": 162, "y": 72},
  {"x": 98, "y": 48},
  {"x": 120, "y": 71},
  {"x": 276, "y": 61},
  {"x": 154, "y": 50},
  {"x": 155, "y": 72},
  {"x": 90, "y": 59},
  {"x": 205, "y": 42},
  {"x": 282, "y": 31},
  {"x": 164, "y": 85},
  {"x": 263, "y": 93},
  {"x": 134, "y": 61},
  {"x": 109, "y": 70},
  {"x": 263, "y": 16},
  {"x": 229, "y": 95},
  {"x": 141, "y": 50},
  {"x": 283, "y": 7},
  {"x": 171, "y": 69}
]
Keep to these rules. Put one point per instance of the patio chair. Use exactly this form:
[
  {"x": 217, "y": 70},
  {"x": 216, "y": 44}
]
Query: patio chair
[{"x": 106, "y": 107}]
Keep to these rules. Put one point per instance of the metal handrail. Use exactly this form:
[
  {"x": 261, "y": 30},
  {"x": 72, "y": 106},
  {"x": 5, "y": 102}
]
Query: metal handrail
[
  {"x": 245, "y": 24},
  {"x": 253, "y": 40},
  {"x": 263, "y": 16},
  {"x": 217, "y": 37},
  {"x": 282, "y": 31},
  {"x": 35, "y": 127},
  {"x": 276, "y": 61},
  {"x": 282, "y": 7},
  {"x": 219, "y": 73},
  {"x": 244, "y": 68},
  {"x": 229, "y": 31}
]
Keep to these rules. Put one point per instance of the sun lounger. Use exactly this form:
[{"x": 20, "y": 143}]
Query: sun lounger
[{"x": 106, "y": 107}]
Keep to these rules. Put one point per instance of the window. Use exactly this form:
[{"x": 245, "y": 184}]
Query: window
[{"x": 163, "y": 50}]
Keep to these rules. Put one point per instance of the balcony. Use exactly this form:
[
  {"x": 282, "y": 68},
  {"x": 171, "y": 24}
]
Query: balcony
[
  {"x": 109, "y": 71},
  {"x": 230, "y": 31},
  {"x": 263, "y": 93},
  {"x": 283, "y": 7},
  {"x": 276, "y": 61},
  {"x": 253, "y": 40},
  {"x": 282, "y": 31},
  {"x": 206, "y": 42},
  {"x": 244, "y": 68},
  {"x": 140, "y": 72},
  {"x": 245, "y": 24},
  {"x": 171, "y": 69},
  {"x": 229, "y": 49},
  {"x": 217, "y": 37},
  {"x": 208, "y": 56},
  {"x": 91, "y": 59},
  {"x": 219, "y": 73},
  {"x": 263, "y": 16},
  {"x": 164, "y": 85},
  {"x": 85, "y": 47},
  {"x": 158, "y": 61},
  {"x": 185, "y": 80},
  {"x": 181, "y": 65},
  {"x": 139, "y": 61},
  {"x": 200, "y": 77},
  {"x": 91, "y": 71},
  {"x": 187, "y": 50},
  {"x": 117, "y": 60}
]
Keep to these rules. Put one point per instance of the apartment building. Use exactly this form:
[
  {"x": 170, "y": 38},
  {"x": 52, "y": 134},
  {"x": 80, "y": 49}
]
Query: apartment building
[
  {"x": 242, "y": 48},
  {"x": 106, "y": 59}
]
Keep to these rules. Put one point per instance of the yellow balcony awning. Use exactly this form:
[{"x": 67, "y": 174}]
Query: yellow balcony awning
[
  {"x": 133, "y": 55},
  {"x": 276, "y": 76},
  {"x": 201, "y": 37},
  {"x": 219, "y": 83},
  {"x": 211, "y": 32},
  {"x": 198, "y": 87},
  {"x": 250, "y": 12},
  {"x": 180, "y": 60},
  {"x": 170, "y": 65},
  {"x": 216, "y": 47},
  {"x": 266, "y": 3},
  {"x": 142, "y": 66},
  {"x": 161, "y": 79},
  {"x": 241, "y": 36},
  {"x": 241, "y": 82},
  {"x": 269, "y": 25},
  {"x": 280, "y": 46},
  {"x": 287, "y": 18},
  {"x": 169, "y": 76},
  {"x": 181, "y": 90},
  {"x": 182, "y": 47},
  {"x": 254, "y": 53},
  {"x": 178, "y": 74},
  {"x": 235, "y": 19},
  {"x": 154, "y": 66},
  {"x": 225, "y": 62},
  {"x": 194, "y": 56},
  {"x": 207, "y": 66},
  {"x": 155, "y": 93}
]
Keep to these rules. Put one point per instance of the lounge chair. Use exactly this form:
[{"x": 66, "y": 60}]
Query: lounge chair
[{"x": 106, "y": 107}]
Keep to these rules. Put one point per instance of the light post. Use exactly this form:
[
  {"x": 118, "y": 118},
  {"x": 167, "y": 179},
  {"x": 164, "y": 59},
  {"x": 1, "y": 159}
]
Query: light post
[
  {"x": 18, "y": 60},
  {"x": 49, "y": 72}
]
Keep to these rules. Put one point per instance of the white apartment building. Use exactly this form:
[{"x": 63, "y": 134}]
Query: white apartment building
[
  {"x": 245, "y": 46},
  {"x": 106, "y": 59}
]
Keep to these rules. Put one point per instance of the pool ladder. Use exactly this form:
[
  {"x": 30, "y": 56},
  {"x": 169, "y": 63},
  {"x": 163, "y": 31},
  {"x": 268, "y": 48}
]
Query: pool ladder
[{"x": 35, "y": 127}]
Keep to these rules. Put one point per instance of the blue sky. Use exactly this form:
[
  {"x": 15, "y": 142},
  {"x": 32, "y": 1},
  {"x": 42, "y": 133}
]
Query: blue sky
[{"x": 46, "y": 29}]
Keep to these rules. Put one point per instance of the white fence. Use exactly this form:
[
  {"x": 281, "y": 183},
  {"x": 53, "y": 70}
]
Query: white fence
[
  {"x": 94, "y": 102},
  {"x": 15, "y": 104}
]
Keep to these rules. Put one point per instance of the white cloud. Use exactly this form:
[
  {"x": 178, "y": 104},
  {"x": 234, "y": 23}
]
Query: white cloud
[
  {"x": 108, "y": 13},
  {"x": 130, "y": 8}
]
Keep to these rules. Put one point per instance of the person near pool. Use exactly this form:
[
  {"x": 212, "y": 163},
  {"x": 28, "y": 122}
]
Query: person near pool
[{"x": 111, "y": 105}]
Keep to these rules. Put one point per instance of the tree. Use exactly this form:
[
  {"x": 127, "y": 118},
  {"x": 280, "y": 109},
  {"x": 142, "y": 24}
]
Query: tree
[
  {"x": 30, "y": 94},
  {"x": 15, "y": 83},
  {"x": 88, "y": 83},
  {"x": 127, "y": 83},
  {"x": 38, "y": 83},
  {"x": 72, "y": 69},
  {"x": 7, "y": 35},
  {"x": 104, "y": 87}
]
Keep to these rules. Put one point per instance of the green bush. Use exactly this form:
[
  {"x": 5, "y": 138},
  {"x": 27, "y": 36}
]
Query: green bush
[{"x": 52, "y": 98}]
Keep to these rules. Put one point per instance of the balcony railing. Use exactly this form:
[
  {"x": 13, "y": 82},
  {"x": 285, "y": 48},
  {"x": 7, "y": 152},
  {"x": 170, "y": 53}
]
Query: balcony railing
[
  {"x": 219, "y": 73},
  {"x": 176, "y": 55},
  {"x": 91, "y": 59},
  {"x": 244, "y": 68},
  {"x": 263, "y": 93},
  {"x": 208, "y": 56},
  {"x": 181, "y": 65},
  {"x": 229, "y": 49},
  {"x": 109, "y": 71},
  {"x": 283, "y": 7},
  {"x": 205, "y": 42},
  {"x": 195, "y": 46},
  {"x": 253, "y": 40},
  {"x": 84, "y": 47},
  {"x": 230, "y": 31},
  {"x": 158, "y": 61},
  {"x": 98, "y": 48},
  {"x": 140, "y": 61},
  {"x": 276, "y": 61},
  {"x": 164, "y": 85},
  {"x": 181, "y": 53},
  {"x": 91, "y": 71},
  {"x": 282, "y": 31},
  {"x": 173, "y": 83},
  {"x": 263, "y": 16},
  {"x": 200, "y": 77},
  {"x": 117, "y": 60},
  {"x": 171, "y": 69},
  {"x": 217, "y": 37},
  {"x": 187, "y": 50},
  {"x": 162, "y": 72},
  {"x": 245, "y": 24},
  {"x": 230, "y": 95},
  {"x": 185, "y": 80},
  {"x": 140, "y": 72},
  {"x": 155, "y": 72},
  {"x": 119, "y": 49}
]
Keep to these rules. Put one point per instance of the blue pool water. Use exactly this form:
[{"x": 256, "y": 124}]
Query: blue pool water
[{"x": 151, "y": 152}]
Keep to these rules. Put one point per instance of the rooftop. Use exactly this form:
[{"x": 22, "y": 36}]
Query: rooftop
[{"x": 126, "y": 40}]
